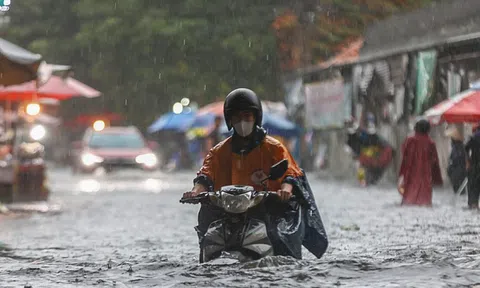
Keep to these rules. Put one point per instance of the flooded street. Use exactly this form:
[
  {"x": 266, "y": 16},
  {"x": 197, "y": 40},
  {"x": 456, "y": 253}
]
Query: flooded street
[{"x": 128, "y": 230}]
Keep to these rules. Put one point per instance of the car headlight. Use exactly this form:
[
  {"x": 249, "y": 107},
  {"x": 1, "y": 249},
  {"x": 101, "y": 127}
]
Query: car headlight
[
  {"x": 89, "y": 159},
  {"x": 149, "y": 159},
  {"x": 236, "y": 203}
]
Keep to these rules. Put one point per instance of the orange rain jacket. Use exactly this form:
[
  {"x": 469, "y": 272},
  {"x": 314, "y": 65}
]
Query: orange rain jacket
[{"x": 222, "y": 166}]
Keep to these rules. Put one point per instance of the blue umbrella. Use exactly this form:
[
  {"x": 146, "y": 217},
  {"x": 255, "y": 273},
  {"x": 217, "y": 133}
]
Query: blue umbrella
[
  {"x": 475, "y": 85},
  {"x": 275, "y": 125},
  {"x": 204, "y": 121},
  {"x": 173, "y": 122}
]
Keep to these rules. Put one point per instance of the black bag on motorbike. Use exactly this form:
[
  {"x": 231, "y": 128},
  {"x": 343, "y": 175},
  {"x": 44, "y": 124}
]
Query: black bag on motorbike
[
  {"x": 301, "y": 224},
  {"x": 315, "y": 238}
]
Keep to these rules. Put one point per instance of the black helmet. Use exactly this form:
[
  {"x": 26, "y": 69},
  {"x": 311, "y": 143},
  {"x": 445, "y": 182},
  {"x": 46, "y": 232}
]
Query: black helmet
[{"x": 242, "y": 99}]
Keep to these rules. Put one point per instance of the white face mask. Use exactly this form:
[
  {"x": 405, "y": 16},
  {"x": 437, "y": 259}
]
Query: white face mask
[{"x": 244, "y": 128}]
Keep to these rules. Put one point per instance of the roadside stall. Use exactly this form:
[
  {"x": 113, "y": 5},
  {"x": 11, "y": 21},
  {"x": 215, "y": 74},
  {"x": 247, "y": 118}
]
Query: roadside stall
[
  {"x": 27, "y": 129},
  {"x": 17, "y": 65},
  {"x": 23, "y": 167}
]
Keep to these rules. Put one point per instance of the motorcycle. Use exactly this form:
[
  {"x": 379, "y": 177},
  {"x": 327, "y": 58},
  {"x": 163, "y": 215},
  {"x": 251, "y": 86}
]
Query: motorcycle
[
  {"x": 7, "y": 174},
  {"x": 22, "y": 168},
  {"x": 31, "y": 173},
  {"x": 242, "y": 231}
]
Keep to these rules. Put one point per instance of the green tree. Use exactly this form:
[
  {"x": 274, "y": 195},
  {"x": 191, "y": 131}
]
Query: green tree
[{"x": 144, "y": 55}]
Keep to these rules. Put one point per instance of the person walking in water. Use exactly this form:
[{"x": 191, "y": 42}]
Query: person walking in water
[
  {"x": 420, "y": 169},
  {"x": 215, "y": 135},
  {"x": 457, "y": 171}
]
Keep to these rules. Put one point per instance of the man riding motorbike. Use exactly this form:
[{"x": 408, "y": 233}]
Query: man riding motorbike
[{"x": 245, "y": 159}]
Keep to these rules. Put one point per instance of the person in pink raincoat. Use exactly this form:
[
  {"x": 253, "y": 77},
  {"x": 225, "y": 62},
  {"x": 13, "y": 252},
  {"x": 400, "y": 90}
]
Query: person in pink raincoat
[{"x": 420, "y": 169}]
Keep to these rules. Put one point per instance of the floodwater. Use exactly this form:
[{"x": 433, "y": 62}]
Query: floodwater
[{"x": 127, "y": 229}]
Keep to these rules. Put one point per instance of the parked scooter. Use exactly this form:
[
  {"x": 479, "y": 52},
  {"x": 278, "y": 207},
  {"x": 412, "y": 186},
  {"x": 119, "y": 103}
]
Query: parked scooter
[
  {"x": 31, "y": 173},
  {"x": 28, "y": 167}
]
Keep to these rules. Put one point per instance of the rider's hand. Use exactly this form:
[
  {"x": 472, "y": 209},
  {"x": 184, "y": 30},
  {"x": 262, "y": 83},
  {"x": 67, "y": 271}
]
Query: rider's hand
[
  {"x": 285, "y": 192},
  {"x": 196, "y": 190},
  {"x": 190, "y": 194}
]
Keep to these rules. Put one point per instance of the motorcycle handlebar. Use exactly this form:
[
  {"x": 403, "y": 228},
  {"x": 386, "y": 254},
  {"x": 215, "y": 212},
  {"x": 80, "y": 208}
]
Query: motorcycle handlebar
[
  {"x": 195, "y": 200},
  {"x": 202, "y": 197}
]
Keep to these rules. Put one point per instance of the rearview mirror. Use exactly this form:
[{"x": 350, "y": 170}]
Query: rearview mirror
[{"x": 278, "y": 170}]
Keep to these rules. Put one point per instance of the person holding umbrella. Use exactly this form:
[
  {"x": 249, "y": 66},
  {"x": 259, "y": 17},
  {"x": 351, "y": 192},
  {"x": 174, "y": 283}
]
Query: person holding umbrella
[{"x": 215, "y": 135}]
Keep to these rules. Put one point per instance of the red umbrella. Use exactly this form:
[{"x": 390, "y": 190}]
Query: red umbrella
[
  {"x": 464, "y": 107},
  {"x": 215, "y": 108},
  {"x": 56, "y": 87}
]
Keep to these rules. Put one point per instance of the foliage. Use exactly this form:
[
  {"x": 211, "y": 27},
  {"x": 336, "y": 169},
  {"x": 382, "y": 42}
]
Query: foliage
[
  {"x": 144, "y": 55},
  {"x": 335, "y": 23}
]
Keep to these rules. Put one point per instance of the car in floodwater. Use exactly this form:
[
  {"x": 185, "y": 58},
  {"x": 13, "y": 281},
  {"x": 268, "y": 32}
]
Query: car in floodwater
[{"x": 113, "y": 148}]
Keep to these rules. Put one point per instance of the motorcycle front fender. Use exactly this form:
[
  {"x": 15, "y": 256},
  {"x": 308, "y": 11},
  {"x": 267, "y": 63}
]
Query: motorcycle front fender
[{"x": 251, "y": 239}]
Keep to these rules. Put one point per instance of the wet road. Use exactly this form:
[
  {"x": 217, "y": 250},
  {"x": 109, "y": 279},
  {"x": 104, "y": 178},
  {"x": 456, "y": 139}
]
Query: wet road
[{"x": 128, "y": 230}]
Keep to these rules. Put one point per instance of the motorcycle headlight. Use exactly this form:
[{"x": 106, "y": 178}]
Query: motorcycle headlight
[
  {"x": 149, "y": 159},
  {"x": 236, "y": 203},
  {"x": 89, "y": 159}
]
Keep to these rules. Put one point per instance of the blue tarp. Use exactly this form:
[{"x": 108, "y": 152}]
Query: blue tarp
[{"x": 173, "y": 122}]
